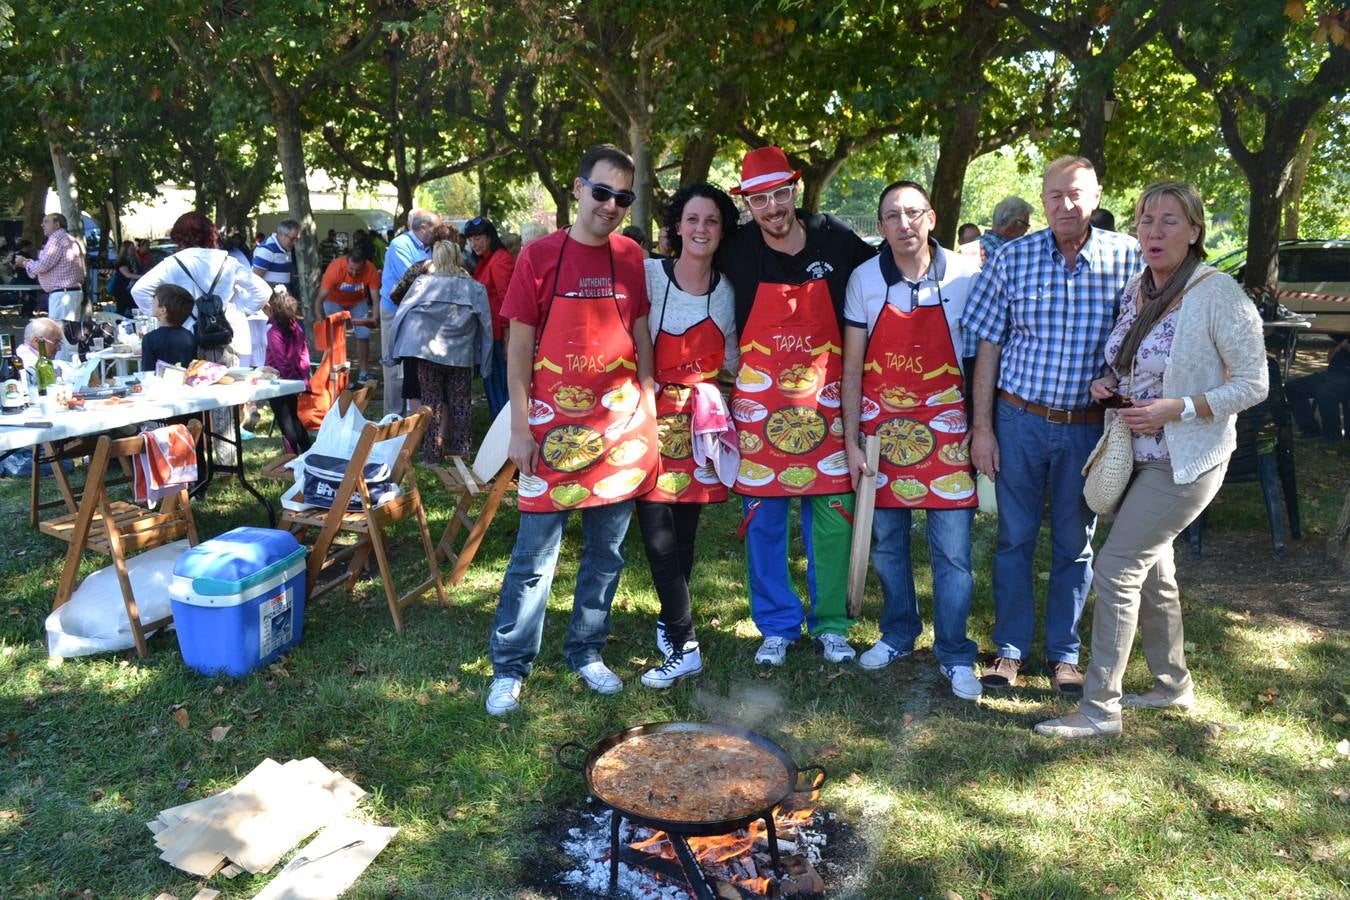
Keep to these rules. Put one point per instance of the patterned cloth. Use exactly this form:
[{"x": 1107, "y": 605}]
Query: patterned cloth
[
  {"x": 991, "y": 240},
  {"x": 1146, "y": 382},
  {"x": 59, "y": 264},
  {"x": 1051, "y": 322},
  {"x": 167, "y": 464},
  {"x": 446, "y": 395}
]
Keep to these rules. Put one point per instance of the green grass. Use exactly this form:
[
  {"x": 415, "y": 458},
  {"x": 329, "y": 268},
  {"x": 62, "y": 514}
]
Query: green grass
[{"x": 1240, "y": 799}]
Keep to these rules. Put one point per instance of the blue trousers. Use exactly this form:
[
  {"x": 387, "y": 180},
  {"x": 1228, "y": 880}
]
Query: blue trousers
[{"x": 828, "y": 535}]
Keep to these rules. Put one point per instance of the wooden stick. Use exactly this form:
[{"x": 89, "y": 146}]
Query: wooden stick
[{"x": 864, "y": 503}]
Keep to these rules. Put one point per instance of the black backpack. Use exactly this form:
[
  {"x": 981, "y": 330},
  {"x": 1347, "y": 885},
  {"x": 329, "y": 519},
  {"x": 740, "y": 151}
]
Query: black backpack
[{"x": 213, "y": 329}]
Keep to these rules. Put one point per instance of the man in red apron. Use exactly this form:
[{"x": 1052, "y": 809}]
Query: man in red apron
[
  {"x": 583, "y": 426},
  {"x": 903, "y": 383},
  {"x": 789, "y": 273}
]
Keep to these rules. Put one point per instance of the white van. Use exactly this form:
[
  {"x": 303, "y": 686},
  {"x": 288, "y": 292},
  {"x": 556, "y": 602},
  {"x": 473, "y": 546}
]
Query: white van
[{"x": 343, "y": 221}]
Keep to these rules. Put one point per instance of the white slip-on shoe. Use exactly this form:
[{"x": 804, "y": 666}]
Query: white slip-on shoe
[
  {"x": 836, "y": 648},
  {"x": 599, "y": 678},
  {"x": 503, "y": 696},
  {"x": 1184, "y": 702},
  {"x": 880, "y": 656},
  {"x": 773, "y": 652},
  {"x": 1083, "y": 728},
  {"x": 964, "y": 683},
  {"x": 678, "y": 665}
]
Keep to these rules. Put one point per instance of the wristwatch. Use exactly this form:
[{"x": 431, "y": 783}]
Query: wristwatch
[{"x": 1187, "y": 409}]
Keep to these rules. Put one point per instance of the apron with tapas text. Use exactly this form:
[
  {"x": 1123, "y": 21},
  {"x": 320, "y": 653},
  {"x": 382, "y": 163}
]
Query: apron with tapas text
[
  {"x": 597, "y": 445},
  {"x": 683, "y": 360},
  {"x": 787, "y": 395},
  {"x": 912, "y": 400}
]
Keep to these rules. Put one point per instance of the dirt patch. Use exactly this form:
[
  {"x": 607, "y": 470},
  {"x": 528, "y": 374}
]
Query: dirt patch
[{"x": 1240, "y": 572}]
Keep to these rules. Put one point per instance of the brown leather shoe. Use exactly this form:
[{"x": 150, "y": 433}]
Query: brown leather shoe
[
  {"x": 1067, "y": 679},
  {"x": 1002, "y": 674}
]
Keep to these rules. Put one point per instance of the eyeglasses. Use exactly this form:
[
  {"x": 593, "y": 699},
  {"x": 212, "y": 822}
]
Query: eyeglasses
[
  {"x": 781, "y": 196},
  {"x": 601, "y": 193},
  {"x": 893, "y": 217}
]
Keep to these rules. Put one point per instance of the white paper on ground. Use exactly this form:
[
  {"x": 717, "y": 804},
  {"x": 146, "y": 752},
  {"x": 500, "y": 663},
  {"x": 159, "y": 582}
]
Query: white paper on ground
[{"x": 328, "y": 876}]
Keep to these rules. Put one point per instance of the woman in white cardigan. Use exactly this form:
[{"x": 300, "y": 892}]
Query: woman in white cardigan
[{"x": 1186, "y": 356}]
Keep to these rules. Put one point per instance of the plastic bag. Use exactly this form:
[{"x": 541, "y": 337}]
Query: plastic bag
[
  {"x": 94, "y": 620},
  {"x": 339, "y": 433}
]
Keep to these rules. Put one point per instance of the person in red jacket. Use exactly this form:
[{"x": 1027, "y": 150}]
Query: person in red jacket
[{"x": 493, "y": 271}]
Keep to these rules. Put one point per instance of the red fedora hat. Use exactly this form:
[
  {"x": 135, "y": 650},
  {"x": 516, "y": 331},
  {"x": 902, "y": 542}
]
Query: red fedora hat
[{"x": 764, "y": 169}]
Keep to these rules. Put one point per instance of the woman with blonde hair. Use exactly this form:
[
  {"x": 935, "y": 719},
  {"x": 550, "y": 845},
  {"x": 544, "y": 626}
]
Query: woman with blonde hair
[
  {"x": 443, "y": 321},
  {"x": 1185, "y": 357}
]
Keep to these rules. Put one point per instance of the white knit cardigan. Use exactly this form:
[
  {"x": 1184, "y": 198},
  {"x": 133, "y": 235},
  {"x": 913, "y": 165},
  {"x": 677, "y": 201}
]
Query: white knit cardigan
[{"x": 1217, "y": 351}]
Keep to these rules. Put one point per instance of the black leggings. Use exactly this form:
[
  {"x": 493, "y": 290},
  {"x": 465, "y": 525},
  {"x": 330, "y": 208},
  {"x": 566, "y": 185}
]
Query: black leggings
[
  {"x": 288, "y": 420},
  {"x": 668, "y": 531}
]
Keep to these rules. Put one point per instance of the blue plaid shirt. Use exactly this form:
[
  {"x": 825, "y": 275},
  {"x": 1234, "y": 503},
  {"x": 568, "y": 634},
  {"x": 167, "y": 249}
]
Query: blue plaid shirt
[{"x": 1052, "y": 323}]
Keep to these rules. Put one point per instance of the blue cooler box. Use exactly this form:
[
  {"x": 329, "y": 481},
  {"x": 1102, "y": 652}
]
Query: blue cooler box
[{"x": 239, "y": 600}]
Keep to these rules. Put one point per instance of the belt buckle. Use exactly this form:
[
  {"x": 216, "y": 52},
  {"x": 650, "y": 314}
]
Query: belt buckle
[{"x": 1058, "y": 416}]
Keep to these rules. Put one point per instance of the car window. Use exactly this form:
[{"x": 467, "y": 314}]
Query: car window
[{"x": 1315, "y": 264}]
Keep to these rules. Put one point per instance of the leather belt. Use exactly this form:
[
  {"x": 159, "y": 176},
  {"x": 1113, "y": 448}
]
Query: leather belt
[
  {"x": 1089, "y": 415},
  {"x": 65, "y": 290}
]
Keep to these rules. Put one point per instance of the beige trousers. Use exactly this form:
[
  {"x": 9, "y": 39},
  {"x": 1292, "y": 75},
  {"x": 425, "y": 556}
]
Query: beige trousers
[
  {"x": 393, "y": 375},
  {"x": 1135, "y": 579}
]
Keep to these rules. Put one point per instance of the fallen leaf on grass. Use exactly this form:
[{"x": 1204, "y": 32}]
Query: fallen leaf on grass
[
  {"x": 853, "y": 778},
  {"x": 423, "y": 699},
  {"x": 1338, "y": 718},
  {"x": 357, "y": 669},
  {"x": 715, "y": 623},
  {"x": 452, "y": 686},
  {"x": 1213, "y": 730},
  {"x": 1321, "y": 853},
  {"x": 218, "y": 690},
  {"x": 907, "y": 718},
  {"x": 252, "y": 714},
  {"x": 829, "y": 752},
  {"x": 218, "y": 733},
  {"x": 180, "y": 715},
  {"x": 1343, "y": 748},
  {"x": 9, "y": 815},
  {"x": 10, "y": 737},
  {"x": 1267, "y": 697},
  {"x": 503, "y": 726},
  {"x": 1341, "y": 794}
]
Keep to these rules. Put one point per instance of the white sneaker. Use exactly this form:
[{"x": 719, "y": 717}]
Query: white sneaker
[
  {"x": 503, "y": 696},
  {"x": 964, "y": 683},
  {"x": 880, "y": 656},
  {"x": 836, "y": 648},
  {"x": 663, "y": 640},
  {"x": 680, "y": 664},
  {"x": 773, "y": 652},
  {"x": 599, "y": 678}
]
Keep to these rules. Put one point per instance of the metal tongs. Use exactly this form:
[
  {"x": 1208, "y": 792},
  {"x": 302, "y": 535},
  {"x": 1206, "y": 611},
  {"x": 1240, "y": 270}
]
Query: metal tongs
[{"x": 306, "y": 860}]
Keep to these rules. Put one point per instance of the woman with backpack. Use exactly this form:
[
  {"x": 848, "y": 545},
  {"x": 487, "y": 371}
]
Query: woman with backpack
[{"x": 224, "y": 289}]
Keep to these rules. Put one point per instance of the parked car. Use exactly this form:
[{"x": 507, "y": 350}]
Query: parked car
[{"x": 1311, "y": 266}]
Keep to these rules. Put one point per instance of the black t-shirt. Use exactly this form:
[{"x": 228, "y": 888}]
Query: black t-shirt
[
  {"x": 832, "y": 251},
  {"x": 175, "y": 345}
]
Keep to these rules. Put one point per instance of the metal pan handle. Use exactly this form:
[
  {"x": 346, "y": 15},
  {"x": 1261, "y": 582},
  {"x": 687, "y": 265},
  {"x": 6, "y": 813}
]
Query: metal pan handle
[
  {"x": 569, "y": 745},
  {"x": 815, "y": 783}
]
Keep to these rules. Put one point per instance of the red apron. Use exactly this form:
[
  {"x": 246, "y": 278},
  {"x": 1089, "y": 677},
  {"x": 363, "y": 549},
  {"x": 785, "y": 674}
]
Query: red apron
[
  {"x": 912, "y": 399},
  {"x": 683, "y": 360},
  {"x": 596, "y": 444},
  {"x": 786, "y": 400}
]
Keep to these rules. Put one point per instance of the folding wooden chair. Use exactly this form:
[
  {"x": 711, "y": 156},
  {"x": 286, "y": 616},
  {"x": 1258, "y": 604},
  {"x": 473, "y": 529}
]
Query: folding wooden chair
[
  {"x": 466, "y": 486},
  {"x": 276, "y": 470},
  {"x": 369, "y": 521},
  {"x": 116, "y": 528}
]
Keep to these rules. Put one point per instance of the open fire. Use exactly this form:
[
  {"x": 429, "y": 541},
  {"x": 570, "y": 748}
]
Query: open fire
[{"x": 731, "y": 866}]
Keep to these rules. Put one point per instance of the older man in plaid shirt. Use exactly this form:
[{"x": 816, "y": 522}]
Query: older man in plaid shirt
[
  {"x": 59, "y": 269},
  {"x": 1040, "y": 314}
]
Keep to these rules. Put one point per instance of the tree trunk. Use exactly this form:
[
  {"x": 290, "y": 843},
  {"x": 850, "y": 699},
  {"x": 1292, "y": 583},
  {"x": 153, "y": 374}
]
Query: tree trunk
[
  {"x": 63, "y": 168},
  {"x": 484, "y": 201},
  {"x": 1263, "y": 230},
  {"x": 1092, "y": 124},
  {"x": 1294, "y": 196},
  {"x": 816, "y": 178},
  {"x": 699, "y": 152},
  {"x": 35, "y": 203},
  {"x": 644, "y": 176},
  {"x": 405, "y": 198},
  {"x": 956, "y": 148},
  {"x": 291, "y": 153}
]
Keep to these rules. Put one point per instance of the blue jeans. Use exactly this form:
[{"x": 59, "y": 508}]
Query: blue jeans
[
  {"x": 828, "y": 535},
  {"x": 953, "y": 584},
  {"x": 359, "y": 311},
  {"x": 494, "y": 385},
  {"x": 1033, "y": 455},
  {"x": 518, "y": 629}
]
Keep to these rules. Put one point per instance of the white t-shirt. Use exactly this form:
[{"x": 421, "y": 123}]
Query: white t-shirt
[
  {"x": 948, "y": 282},
  {"x": 242, "y": 291},
  {"x": 684, "y": 310}
]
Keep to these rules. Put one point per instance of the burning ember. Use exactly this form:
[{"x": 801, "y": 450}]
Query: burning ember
[{"x": 735, "y": 866}]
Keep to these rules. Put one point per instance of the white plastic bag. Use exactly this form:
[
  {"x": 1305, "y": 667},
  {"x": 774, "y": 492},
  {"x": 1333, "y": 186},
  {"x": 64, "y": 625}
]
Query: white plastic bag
[
  {"x": 94, "y": 620},
  {"x": 338, "y": 435}
]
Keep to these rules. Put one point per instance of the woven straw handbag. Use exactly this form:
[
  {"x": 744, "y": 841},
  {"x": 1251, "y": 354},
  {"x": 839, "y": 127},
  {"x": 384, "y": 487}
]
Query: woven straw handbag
[{"x": 1109, "y": 466}]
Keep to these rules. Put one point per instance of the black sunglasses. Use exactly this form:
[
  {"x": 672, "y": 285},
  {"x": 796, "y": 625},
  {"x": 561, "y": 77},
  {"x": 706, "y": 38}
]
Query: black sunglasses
[{"x": 601, "y": 193}]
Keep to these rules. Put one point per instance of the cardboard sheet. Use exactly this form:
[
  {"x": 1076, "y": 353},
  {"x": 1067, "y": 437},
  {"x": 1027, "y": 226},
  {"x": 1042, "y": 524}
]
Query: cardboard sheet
[{"x": 324, "y": 869}]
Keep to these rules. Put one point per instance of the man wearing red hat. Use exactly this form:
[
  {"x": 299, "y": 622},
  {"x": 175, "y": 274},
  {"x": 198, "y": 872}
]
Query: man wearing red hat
[{"x": 790, "y": 275}]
